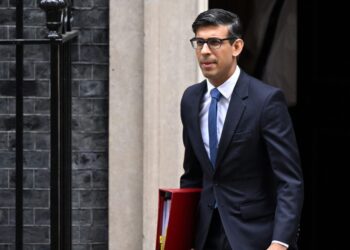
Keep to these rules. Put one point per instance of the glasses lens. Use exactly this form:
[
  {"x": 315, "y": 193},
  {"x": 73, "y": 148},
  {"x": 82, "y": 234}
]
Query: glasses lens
[
  {"x": 200, "y": 43},
  {"x": 214, "y": 43},
  {"x": 197, "y": 43}
]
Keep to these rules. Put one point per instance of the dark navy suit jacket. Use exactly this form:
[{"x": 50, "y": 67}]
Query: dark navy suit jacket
[{"x": 257, "y": 182}]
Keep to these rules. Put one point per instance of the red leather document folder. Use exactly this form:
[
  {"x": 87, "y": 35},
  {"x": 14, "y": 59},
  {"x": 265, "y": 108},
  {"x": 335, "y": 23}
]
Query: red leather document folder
[{"x": 177, "y": 218}]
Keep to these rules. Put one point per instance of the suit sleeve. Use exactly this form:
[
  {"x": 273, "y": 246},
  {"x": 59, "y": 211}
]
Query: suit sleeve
[
  {"x": 192, "y": 176},
  {"x": 278, "y": 134}
]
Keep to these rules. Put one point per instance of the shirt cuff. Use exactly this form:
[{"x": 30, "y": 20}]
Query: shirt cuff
[{"x": 281, "y": 243}]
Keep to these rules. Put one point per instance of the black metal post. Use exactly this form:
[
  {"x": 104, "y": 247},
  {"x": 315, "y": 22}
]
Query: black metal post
[
  {"x": 55, "y": 191},
  {"x": 19, "y": 127},
  {"x": 69, "y": 16},
  {"x": 61, "y": 147},
  {"x": 66, "y": 135},
  {"x": 61, "y": 204}
]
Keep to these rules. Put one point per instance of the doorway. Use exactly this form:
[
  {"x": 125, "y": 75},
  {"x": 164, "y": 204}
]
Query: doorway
[{"x": 320, "y": 110}]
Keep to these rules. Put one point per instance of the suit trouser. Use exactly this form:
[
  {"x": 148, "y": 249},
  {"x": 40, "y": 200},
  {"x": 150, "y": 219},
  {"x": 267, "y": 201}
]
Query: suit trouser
[{"x": 216, "y": 238}]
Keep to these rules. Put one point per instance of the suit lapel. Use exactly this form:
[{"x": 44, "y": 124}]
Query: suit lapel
[
  {"x": 196, "y": 133},
  {"x": 234, "y": 114}
]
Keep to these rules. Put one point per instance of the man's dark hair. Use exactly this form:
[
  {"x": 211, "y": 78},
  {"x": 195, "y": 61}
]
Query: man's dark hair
[{"x": 218, "y": 17}]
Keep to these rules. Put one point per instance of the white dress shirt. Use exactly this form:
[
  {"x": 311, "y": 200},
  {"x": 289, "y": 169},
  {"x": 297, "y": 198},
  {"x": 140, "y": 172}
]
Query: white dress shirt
[{"x": 226, "y": 90}]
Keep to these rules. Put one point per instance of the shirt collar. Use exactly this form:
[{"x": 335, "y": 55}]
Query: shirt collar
[{"x": 227, "y": 87}]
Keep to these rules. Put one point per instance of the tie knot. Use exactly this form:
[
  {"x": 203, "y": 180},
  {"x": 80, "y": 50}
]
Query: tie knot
[{"x": 215, "y": 93}]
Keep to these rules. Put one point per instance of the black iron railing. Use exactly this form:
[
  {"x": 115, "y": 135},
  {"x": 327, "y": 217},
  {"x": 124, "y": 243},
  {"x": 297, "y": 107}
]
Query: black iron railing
[{"x": 60, "y": 36}]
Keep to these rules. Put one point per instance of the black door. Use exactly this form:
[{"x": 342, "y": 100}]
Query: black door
[{"x": 320, "y": 114}]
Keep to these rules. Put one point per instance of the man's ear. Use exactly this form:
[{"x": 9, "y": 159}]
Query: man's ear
[{"x": 237, "y": 47}]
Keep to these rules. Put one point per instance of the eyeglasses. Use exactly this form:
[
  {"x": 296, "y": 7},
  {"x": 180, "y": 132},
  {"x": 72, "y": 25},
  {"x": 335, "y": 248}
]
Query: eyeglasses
[{"x": 213, "y": 42}]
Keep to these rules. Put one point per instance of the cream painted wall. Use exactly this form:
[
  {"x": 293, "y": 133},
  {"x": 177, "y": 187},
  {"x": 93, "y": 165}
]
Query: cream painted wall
[
  {"x": 125, "y": 124},
  {"x": 170, "y": 67},
  {"x": 151, "y": 64}
]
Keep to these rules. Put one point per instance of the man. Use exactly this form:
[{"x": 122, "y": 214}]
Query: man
[{"x": 240, "y": 148}]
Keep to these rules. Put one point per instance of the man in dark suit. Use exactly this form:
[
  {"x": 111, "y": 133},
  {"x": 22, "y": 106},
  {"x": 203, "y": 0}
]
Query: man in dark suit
[{"x": 240, "y": 148}]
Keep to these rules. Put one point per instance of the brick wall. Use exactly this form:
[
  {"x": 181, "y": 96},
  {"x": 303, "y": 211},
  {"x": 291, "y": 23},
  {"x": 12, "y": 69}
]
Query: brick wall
[{"x": 90, "y": 110}]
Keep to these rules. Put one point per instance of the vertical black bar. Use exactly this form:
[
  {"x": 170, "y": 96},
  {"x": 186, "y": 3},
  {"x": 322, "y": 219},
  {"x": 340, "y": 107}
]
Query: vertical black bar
[
  {"x": 61, "y": 147},
  {"x": 19, "y": 127},
  {"x": 66, "y": 114},
  {"x": 55, "y": 148},
  {"x": 69, "y": 15}
]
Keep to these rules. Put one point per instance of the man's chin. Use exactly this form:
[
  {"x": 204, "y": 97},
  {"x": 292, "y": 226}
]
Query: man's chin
[{"x": 207, "y": 73}]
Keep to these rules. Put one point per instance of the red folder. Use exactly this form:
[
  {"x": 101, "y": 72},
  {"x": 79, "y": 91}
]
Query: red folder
[{"x": 181, "y": 219}]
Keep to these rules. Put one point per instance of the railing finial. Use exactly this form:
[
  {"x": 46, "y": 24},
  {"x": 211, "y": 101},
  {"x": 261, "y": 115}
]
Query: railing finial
[{"x": 54, "y": 16}]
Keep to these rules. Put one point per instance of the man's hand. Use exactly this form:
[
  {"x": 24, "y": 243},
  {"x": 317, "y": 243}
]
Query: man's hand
[{"x": 276, "y": 246}]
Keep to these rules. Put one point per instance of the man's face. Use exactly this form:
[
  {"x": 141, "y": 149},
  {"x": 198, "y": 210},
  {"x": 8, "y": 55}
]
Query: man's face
[{"x": 217, "y": 64}]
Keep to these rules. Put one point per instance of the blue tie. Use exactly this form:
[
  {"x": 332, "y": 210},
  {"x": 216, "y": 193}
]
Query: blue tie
[{"x": 212, "y": 118}]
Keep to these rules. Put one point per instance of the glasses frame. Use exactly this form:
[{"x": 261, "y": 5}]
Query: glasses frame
[{"x": 207, "y": 41}]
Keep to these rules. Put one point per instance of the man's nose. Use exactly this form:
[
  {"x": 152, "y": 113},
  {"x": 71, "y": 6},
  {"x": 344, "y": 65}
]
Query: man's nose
[{"x": 205, "y": 49}]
